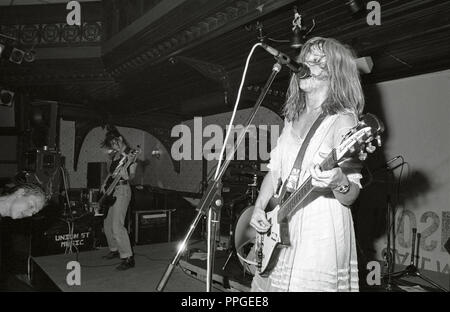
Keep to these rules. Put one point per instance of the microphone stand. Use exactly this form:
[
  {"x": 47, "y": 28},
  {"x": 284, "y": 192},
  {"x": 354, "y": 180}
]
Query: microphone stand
[
  {"x": 390, "y": 217},
  {"x": 213, "y": 194},
  {"x": 412, "y": 268},
  {"x": 389, "y": 255}
]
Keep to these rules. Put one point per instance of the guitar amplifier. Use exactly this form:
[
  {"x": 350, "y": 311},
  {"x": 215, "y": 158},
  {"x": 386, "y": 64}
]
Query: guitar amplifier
[{"x": 152, "y": 226}]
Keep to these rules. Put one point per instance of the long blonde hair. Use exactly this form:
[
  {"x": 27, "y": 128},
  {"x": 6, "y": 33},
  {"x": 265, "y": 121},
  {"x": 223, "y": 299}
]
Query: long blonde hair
[{"x": 345, "y": 93}]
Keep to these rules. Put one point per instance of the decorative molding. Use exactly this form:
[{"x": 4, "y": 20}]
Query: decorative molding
[
  {"x": 274, "y": 99},
  {"x": 211, "y": 71},
  {"x": 54, "y": 34},
  {"x": 237, "y": 12},
  {"x": 272, "y": 92}
]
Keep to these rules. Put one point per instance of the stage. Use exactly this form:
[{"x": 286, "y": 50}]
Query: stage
[{"x": 49, "y": 273}]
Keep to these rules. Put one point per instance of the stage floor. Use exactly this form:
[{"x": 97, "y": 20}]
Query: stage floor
[{"x": 99, "y": 275}]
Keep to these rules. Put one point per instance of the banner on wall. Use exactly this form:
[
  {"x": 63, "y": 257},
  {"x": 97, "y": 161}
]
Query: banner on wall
[{"x": 434, "y": 228}]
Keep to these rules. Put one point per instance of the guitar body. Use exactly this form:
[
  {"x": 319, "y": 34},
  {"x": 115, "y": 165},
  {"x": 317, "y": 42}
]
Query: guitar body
[
  {"x": 268, "y": 245},
  {"x": 106, "y": 202},
  {"x": 106, "y": 199}
]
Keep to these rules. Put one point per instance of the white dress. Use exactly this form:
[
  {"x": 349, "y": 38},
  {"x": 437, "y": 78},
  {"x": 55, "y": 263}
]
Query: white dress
[{"x": 322, "y": 253}]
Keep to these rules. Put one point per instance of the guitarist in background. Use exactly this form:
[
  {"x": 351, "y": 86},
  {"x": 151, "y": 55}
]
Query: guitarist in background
[
  {"x": 115, "y": 231},
  {"x": 321, "y": 255}
]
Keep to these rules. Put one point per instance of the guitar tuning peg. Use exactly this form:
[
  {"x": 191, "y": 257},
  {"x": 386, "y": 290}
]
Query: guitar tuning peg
[
  {"x": 370, "y": 148},
  {"x": 362, "y": 156},
  {"x": 378, "y": 138}
]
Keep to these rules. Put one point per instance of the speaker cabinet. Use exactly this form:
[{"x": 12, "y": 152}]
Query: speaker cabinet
[
  {"x": 58, "y": 240},
  {"x": 56, "y": 237},
  {"x": 96, "y": 174},
  {"x": 152, "y": 226},
  {"x": 43, "y": 167}
]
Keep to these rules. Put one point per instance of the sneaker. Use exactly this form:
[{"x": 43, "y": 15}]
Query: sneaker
[
  {"x": 111, "y": 255},
  {"x": 126, "y": 264}
]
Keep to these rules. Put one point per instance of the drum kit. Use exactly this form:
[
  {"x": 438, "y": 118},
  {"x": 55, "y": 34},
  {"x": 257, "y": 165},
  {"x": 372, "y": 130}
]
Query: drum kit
[{"x": 241, "y": 240}]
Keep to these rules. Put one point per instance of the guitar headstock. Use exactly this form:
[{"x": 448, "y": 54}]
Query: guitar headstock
[
  {"x": 134, "y": 153},
  {"x": 360, "y": 139}
]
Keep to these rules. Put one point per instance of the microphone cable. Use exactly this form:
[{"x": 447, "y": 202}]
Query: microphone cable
[{"x": 238, "y": 98}]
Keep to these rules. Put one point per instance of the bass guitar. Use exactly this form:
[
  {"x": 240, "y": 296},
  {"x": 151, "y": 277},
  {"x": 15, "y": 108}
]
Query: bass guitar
[{"x": 106, "y": 198}]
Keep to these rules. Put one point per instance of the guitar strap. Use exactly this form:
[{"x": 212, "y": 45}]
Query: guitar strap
[{"x": 293, "y": 177}]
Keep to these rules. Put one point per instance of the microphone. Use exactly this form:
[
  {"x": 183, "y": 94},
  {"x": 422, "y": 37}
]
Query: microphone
[
  {"x": 391, "y": 161},
  {"x": 301, "y": 69}
]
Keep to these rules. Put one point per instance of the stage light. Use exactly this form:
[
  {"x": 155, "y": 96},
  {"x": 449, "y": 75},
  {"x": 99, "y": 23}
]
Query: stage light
[
  {"x": 30, "y": 56},
  {"x": 299, "y": 31},
  {"x": 298, "y": 39},
  {"x": 355, "y": 6},
  {"x": 364, "y": 64},
  {"x": 16, "y": 56},
  {"x": 6, "y": 98},
  {"x": 156, "y": 154}
]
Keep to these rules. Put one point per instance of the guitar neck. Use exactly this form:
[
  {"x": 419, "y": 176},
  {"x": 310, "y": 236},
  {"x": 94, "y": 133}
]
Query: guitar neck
[
  {"x": 112, "y": 185},
  {"x": 299, "y": 195}
]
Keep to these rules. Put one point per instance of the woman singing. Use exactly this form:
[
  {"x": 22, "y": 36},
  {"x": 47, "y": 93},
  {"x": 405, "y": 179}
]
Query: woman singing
[{"x": 322, "y": 251}]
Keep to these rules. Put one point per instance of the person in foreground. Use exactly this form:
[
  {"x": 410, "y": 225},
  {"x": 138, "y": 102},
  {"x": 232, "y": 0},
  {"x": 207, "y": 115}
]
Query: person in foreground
[
  {"x": 322, "y": 251},
  {"x": 25, "y": 200}
]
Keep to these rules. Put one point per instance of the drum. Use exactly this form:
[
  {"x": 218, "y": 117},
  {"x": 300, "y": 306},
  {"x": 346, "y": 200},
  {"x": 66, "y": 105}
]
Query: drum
[{"x": 244, "y": 240}]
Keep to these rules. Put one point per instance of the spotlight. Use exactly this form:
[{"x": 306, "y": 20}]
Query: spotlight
[
  {"x": 16, "y": 56},
  {"x": 6, "y": 98},
  {"x": 355, "y": 6},
  {"x": 298, "y": 39}
]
